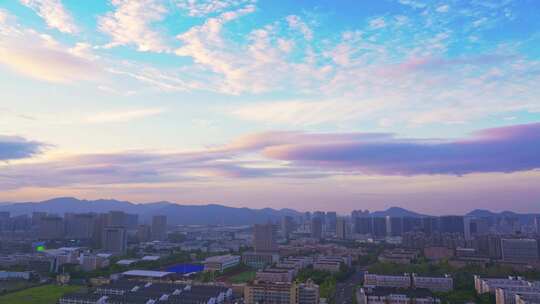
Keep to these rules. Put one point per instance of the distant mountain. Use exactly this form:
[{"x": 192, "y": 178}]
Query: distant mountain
[
  {"x": 177, "y": 214},
  {"x": 396, "y": 212}
]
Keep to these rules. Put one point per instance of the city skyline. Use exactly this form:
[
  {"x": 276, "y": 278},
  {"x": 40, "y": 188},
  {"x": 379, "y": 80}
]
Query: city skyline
[{"x": 431, "y": 106}]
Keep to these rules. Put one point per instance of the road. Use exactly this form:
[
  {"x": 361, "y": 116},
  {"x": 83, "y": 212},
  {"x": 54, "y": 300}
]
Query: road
[{"x": 344, "y": 290}]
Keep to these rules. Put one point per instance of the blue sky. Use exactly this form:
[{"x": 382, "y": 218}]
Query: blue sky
[{"x": 88, "y": 84}]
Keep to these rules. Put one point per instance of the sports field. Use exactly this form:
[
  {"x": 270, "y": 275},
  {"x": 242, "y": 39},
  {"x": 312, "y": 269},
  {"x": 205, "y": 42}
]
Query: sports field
[{"x": 46, "y": 294}]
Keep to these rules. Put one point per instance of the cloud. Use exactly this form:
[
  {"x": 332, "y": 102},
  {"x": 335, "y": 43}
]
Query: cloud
[
  {"x": 130, "y": 24},
  {"x": 123, "y": 116},
  {"x": 303, "y": 112},
  {"x": 505, "y": 149},
  {"x": 199, "y": 8},
  {"x": 377, "y": 23},
  {"x": 297, "y": 24},
  {"x": 42, "y": 57},
  {"x": 289, "y": 155},
  {"x": 443, "y": 9},
  {"x": 14, "y": 147},
  {"x": 54, "y": 14}
]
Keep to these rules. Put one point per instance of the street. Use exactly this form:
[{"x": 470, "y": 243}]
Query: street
[{"x": 344, "y": 290}]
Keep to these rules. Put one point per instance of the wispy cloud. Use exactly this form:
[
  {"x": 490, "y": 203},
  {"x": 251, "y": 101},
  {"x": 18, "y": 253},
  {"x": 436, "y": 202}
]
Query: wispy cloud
[
  {"x": 124, "y": 116},
  {"x": 505, "y": 149},
  {"x": 54, "y": 14},
  {"x": 41, "y": 56},
  {"x": 130, "y": 24},
  {"x": 294, "y": 155},
  {"x": 201, "y": 8}
]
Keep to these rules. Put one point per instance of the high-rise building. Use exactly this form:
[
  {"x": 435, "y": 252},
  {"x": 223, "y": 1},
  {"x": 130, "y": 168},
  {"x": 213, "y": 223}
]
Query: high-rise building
[
  {"x": 144, "y": 233},
  {"x": 321, "y": 215},
  {"x": 36, "y": 218},
  {"x": 379, "y": 227},
  {"x": 100, "y": 222},
  {"x": 131, "y": 221},
  {"x": 159, "y": 227},
  {"x": 287, "y": 226},
  {"x": 316, "y": 228},
  {"x": 116, "y": 218},
  {"x": 537, "y": 224},
  {"x": 452, "y": 224},
  {"x": 474, "y": 227},
  {"x": 115, "y": 239},
  {"x": 341, "y": 228},
  {"x": 79, "y": 225},
  {"x": 519, "y": 250},
  {"x": 394, "y": 225},
  {"x": 264, "y": 238},
  {"x": 363, "y": 225},
  {"x": 51, "y": 227},
  {"x": 412, "y": 224},
  {"x": 331, "y": 221}
]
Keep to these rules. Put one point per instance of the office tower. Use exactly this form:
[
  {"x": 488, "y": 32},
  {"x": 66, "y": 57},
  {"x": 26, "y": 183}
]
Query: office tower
[
  {"x": 452, "y": 224},
  {"x": 412, "y": 224},
  {"x": 430, "y": 225},
  {"x": 159, "y": 227},
  {"x": 36, "y": 218},
  {"x": 100, "y": 222},
  {"x": 379, "y": 226},
  {"x": 394, "y": 225},
  {"x": 519, "y": 250},
  {"x": 316, "y": 228},
  {"x": 115, "y": 239},
  {"x": 21, "y": 223},
  {"x": 80, "y": 225},
  {"x": 51, "y": 227},
  {"x": 537, "y": 224},
  {"x": 131, "y": 221},
  {"x": 263, "y": 238},
  {"x": 287, "y": 226},
  {"x": 116, "y": 218},
  {"x": 474, "y": 227},
  {"x": 341, "y": 228},
  {"x": 144, "y": 233},
  {"x": 364, "y": 225},
  {"x": 321, "y": 215},
  {"x": 331, "y": 221}
]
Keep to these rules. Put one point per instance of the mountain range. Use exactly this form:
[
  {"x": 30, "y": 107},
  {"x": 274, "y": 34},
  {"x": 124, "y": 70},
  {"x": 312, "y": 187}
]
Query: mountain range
[{"x": 199, "y": 214}]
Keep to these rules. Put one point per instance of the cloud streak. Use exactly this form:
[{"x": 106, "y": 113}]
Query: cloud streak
[
  {"x": 506, "y": 149},
  {"x": 54, "y": 14},
  {"x": 14, "y": 147},
  {"x": 292, "y": 155}
]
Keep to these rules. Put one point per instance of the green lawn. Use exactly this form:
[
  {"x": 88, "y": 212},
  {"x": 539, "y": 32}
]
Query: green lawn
[
  {"x": 47, "y": 294},
  {"x": 242, "y": 277}
]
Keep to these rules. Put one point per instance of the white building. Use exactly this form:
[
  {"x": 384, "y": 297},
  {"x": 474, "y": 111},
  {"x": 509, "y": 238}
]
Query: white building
[
  {"x": 442, "y": 284},
  {"x": 221, "y": 262}
]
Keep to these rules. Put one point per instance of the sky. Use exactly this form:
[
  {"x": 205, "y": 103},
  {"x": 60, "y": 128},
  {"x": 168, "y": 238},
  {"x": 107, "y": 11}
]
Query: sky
[{"x": 433, "y": 106}]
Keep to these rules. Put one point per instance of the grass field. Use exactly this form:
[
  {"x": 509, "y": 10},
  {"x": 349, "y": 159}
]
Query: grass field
[
  {"x": 47, "y": 294},
  {"x": 242, "y": 277}
]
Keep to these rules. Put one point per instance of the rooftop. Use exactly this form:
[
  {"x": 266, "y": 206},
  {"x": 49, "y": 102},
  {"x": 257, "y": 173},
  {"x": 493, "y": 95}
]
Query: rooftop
[{"x": 147, "y": 273}]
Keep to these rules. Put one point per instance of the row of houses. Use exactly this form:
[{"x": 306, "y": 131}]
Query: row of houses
[{"x": 511, "y": 290}]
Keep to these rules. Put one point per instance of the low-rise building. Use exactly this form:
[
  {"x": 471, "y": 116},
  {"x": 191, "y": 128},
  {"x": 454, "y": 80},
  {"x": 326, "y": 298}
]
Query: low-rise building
[
  {"x": 281, "y": 293},
  {"x": 275, "y": 275},
  {"x": 376, "y": 280},
  {"x": 259, "y": 260},
  {"x": 441, "y": 284},
  {"x": 221, "y": 262},
  {"x": 389, "y": 295},
  {"x": 490, "y": 285}
]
